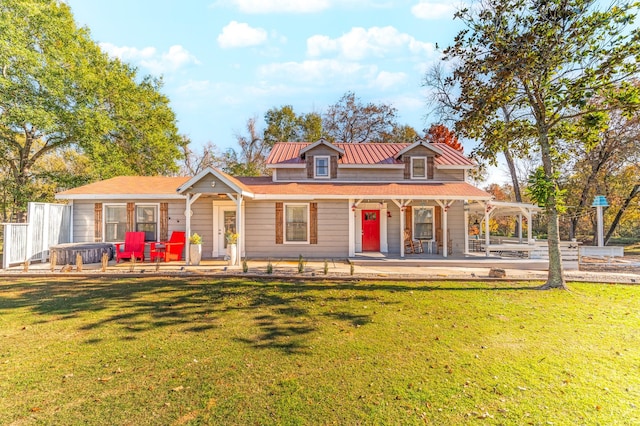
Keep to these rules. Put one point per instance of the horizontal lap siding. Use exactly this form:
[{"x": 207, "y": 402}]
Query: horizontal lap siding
[
  {"x": 333, "y": 231},
  {"x": 374, "y": 175},
  {"x": 83, "y": 213},
  {"x": 202, "y": 224},
  {"x": 455, "y": 223},
  {"x": 393, "y": 229},
  {"x": 448, "y": 175}
]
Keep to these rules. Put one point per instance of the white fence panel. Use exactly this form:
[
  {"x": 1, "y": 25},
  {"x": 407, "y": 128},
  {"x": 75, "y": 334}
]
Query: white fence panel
[{"x": 47, "y": 225}]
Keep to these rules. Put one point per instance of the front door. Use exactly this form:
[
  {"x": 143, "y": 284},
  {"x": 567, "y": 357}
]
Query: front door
[
  {"x": 370, "y": 230},
  {"x": 226, "y": 223}
]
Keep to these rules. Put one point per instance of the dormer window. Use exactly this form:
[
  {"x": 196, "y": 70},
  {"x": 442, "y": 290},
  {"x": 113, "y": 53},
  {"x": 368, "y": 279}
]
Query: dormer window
[
  {"x": 418, "y": 167},
  {"x": 321, "y": 167}
]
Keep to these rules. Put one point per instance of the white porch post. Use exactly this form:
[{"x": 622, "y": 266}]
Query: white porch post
[
  {"x": 520, "y": 228},
  {"x": 402, "y": 226},
  {"x": 445, "y": 226},
  {"x": 352, "y": 228},
  {"x": 187, "y": 214},
  {"x": 487, "y": 237},
  {"x": 466, "y": 229},
  {"x": 239, "y": 230},
  {"x": 529, "y": 227}
]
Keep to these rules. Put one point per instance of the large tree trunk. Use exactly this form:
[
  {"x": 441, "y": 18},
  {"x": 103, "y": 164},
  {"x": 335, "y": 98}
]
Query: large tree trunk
[
  {"x": 555, "y": 278},
  {"x": 514, "y": 176}
]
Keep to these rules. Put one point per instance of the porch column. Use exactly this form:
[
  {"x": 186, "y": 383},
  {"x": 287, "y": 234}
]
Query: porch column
[
  {"x": 187, "y": 214},
  {"x": 352, "y": 227},
  {"x": 487, "y": 237},
  {"x": 529, "y": 227},
  {"x": 445, "y": 233},
  {"x": 520, "y": 228},
  {"x": 239, "y": 230},
  {"x": 466, "y": 228},
  {"x": 402, "y": 226}
]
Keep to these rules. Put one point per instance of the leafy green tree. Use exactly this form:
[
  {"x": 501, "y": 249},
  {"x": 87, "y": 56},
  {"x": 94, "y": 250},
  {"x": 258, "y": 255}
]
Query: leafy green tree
[
  {"x": 351, "y": 121},
  {"x": 284, "y": 125},
  {"x": 547, "y": 58},
  {"x": 59, "y": 90},
  {"x": 401, "y": 134}
]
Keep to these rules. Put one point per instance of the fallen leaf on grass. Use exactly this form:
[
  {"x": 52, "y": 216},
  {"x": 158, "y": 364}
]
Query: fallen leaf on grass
[
  {"x": 104, "y": 379},
  {"x": 179, "y": 388},
  {"x": 35, "y": 409}
]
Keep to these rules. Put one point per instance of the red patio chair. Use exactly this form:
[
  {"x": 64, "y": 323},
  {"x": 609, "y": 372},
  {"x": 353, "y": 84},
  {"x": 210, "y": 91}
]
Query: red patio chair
[
  {"x": 133, "y": 246},
  {"x": 169, "y": 250}
]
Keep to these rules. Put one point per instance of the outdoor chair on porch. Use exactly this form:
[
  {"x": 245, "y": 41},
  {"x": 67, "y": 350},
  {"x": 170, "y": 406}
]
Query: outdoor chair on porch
[
  {"x": 133, "y": 247},
  {"x": 411, "y": 245},
  {"x": 168, "y": 250}
]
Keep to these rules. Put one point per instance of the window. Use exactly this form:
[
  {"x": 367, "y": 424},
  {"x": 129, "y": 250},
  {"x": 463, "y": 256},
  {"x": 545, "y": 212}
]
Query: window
[
  {"x": 296, "y": 223},
  {"x": 423, "y": 223},
  {"x": 418, "y": 167},
  {"x": 146, "y": 221},
  {"x": 115, "y": 222},
  {"x": 321, "y": 166}
]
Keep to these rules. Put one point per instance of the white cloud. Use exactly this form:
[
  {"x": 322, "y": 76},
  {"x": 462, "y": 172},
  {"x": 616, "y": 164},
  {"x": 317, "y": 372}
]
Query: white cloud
[
  {"x": 317, "y": 71},
  {"x": 148, "y": 57},
  {"x": 428, "y": 9},
  {"x": 276, "y": 6},
  {"x": 385, "y": 80},
  {"x": 240, "y": 34},
  {"x": 360, "y": 43}
]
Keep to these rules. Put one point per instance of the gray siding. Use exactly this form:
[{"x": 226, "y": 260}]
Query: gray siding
[
  {"x": 448, "y": 175},
  {"x": 294, "y": 174},
  {"x": 202, "y": 224},
  {"x": 372, "y": 174},
  {"x": 333, "y": 232},
  {"x": 83, "y": 216},
  {"x": 368, "y": 174}
]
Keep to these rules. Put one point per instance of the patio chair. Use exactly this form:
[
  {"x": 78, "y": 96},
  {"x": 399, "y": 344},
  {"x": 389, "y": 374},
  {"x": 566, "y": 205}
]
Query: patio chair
[
  {"x": 411, "y": 245},
  {"x": 133, "y": 247},
  {"x": 168, "y": 250}
]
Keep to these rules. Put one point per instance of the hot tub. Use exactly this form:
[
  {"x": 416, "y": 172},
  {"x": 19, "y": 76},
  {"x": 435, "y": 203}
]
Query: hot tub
[{"x": 90, "y": 252}]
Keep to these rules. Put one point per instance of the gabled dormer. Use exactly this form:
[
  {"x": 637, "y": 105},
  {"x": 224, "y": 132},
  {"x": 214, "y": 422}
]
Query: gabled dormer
[
  {"x": 419, "y": 160},
  {"x": 321, "y": 159}
]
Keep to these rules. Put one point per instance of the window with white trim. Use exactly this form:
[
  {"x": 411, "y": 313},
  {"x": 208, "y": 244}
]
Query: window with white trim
[
  {"x": 321, "y": 166},
  {"x": 423, "y": 226},
  {"x": 418, "y": 167},
  {"x": 115, "y": 222},
  {"x": 296, "y": 223},
  {"x": 147, "y": 221}
]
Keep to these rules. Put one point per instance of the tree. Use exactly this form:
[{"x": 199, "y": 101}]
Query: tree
[
  {"x": 547, "y": 58},
  {"x": 194, "y": 163},
  {"x": 59, "y": 90},
  {"x": 350, "y": 121},
  {"x": 439, "y": 133},
  {"x": 253, "y": 153},
  {"x": 400, "y": 134},
  {"x": 283, "y": 125}
]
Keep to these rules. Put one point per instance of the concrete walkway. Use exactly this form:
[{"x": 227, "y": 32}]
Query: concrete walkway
[{"x": 288, "y": 269}]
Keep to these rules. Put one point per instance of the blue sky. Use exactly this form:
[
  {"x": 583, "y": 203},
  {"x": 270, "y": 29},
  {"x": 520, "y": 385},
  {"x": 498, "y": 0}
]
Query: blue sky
[{"x": 224, "y": 61}]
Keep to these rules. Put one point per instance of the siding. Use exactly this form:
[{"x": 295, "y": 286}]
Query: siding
[
  {"x": 371, "y": 174},
  {"x": 333, "y": 232},
  {"x": 367, "y": 174},
  {"x": 83, "y": 226},
  {"x": 448, "y": 175},
  {"x": 202, "y": 224}
]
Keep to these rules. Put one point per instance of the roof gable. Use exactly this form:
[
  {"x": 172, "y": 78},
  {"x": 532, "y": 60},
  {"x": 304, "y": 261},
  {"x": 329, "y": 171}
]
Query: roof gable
[
  {"x": 228, "y": 180},
  {"x": 420, "y": 142},
  {"x": 319, "y": 142}
]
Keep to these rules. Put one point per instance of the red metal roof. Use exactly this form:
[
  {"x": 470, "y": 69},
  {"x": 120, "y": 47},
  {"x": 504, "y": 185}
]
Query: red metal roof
[{"x": 284, "y": 153}]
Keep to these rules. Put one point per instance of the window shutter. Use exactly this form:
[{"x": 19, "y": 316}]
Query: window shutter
[
  {"x": 334, "y": 166},
  {"x": 279, "y": 223},
  {"x": 408, "y": 216},
  {"x": 310, "y": 166},
  {"x": 164, "y": 221},
  {"x": 97, "y": 222},
  {"x": 407, "y": 167},
  {"x": 313, "y": 226},
  {"x": 131, "y": 217},
  {"x": 430, "y": 167}
]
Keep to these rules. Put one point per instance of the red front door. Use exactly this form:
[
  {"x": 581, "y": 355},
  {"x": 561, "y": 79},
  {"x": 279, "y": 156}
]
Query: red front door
[{"x": 370, "y": 230}]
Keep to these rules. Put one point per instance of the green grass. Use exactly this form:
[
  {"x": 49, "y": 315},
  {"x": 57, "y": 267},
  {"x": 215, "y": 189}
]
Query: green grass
[{"x": 173, "y": 351}]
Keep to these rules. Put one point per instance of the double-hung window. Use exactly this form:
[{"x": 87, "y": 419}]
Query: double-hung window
[
  {"x": 296, "y": 223},
  {"x": 418, "y": 167},
  {"x": 147, "y": 221},
  {"x": 115, "y": 222},
  {"x": 321, "y": 166},
  {"x": 423, "y": 223}
]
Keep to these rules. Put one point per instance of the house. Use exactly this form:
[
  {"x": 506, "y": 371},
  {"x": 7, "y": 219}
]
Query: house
[{"x": 323, "y": 200}]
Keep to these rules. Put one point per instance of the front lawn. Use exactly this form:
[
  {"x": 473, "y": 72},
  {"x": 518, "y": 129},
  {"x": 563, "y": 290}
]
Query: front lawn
[{"x": 174, "y": 351}]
